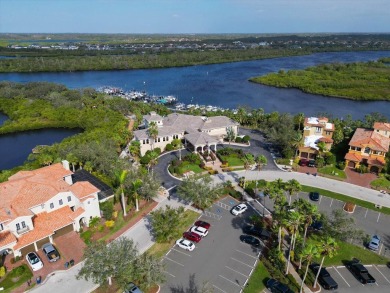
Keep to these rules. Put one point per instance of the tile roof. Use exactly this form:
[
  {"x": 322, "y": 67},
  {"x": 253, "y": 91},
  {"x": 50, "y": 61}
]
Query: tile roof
[
  {"x": 200, "y": 138},
  {"x": 356, "y": 157},
  {"x": 319, "y": 122},
  {"x": 82, "y": 189},
  {"x": 6, "y": 238},
  {"x": 45, "y": 224},
  {"x": 326, "y": 139},
  {"x": 367, "y": 137},
  {"x": 382, "y": 126}
]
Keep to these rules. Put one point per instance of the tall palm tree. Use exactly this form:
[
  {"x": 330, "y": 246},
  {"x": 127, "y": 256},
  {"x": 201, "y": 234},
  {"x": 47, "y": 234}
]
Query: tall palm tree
[
  {"x": 293, "y": 187},
  {"x": 297, "y": 141},
  {"x": 300, "y": 119},
  {"x": 294, "y": 221},
  {"x": 153, "y": 156},
  {"x": 136, "y": 185},
  {"x": 247, "y": 165},
  {"x": 327, "y": 248},
  {"x": 309, "y": 213},
  {"x": 121, "y": 178},
  {"x": 309, "y": 252},
  {"x": 71, "y": 158},
  {"x": 153, "y": 132}
]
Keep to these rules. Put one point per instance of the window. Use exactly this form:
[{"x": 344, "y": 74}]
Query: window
[
  {"x": 327, "y": 132},
  {"x": 367, "y": 150},
  {"x": 52, "y": 205},
  {"x": 318, "y": 129},
  {"x": 1, "y": 227},
  {"x": 23, "y": 224},
  {"x": 147, "y": 141},
  {"x": 17, "y": 226},
  {"x": 69, "y": 198},
  {"x": 164, "y": 138},
  {"x": 60, "y": 202},
  {"x": 359, "y": 149}
]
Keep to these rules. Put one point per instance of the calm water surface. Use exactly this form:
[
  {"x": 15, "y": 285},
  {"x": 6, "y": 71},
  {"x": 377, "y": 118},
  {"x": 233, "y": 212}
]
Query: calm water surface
[
  {"x": 226, "y": 85},
  {"x": 16, "y": 147}
]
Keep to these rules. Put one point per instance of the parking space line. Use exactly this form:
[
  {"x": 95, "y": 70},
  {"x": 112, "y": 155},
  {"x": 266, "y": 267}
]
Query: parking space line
[
  {"x": 341, "y": 276},
  {"x": 219, "y": 289},
  {"x": 331, "y": 202},
  {"x": 366, "y": 212},
  {"x": 174, "y": 261},
  {"x": 320, "y": 200},
  {"x": 169, "y": 274},
  {"x": 237, "y": 272},
  {"x": 182, "y": 252},
  {"x": 379, "y": 214},
  {"x": 230, "y": 281},
  {"x": 247, "y": 254},
  {"x": 382, "y": 274},
  {"x": 241, "y": 262}
]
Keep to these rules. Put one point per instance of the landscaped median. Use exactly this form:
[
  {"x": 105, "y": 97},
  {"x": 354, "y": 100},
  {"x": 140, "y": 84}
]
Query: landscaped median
[
  {"x": 346, "y": 198},
  {"x": 258, "y": 279}
]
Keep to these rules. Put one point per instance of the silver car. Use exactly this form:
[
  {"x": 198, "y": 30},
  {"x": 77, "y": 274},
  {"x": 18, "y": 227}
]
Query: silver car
[{"x": 374, "y": 242}]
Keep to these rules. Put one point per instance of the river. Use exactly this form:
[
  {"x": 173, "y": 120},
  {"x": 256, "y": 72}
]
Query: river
[
  {"x": 226, "y": 84},
  {"x": 15, "y": 147}
]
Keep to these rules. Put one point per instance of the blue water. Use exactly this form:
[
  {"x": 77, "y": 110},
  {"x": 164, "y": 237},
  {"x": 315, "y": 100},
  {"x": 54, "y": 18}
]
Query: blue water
[
  {"x": 16, "y": 147},
  {"x": 3, "y": 118},
  {"x": 226, "y": 85}
]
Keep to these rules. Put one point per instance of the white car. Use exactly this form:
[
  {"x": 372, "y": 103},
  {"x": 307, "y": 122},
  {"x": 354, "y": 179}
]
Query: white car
[
  {"x": 200, "y": 231},
  {"x": 239, "y": 209},
  {"x": 34, "y": 261},
  {"x": 185, "y": 244}
]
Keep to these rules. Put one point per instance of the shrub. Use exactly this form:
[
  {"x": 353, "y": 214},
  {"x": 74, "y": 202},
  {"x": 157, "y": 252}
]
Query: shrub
[
  {"x": 86, "y": 236},
  {"x": 110, "y": 223},
  {"x": 320, "y": 162},
  {"x": 363, "y": 169},
  {"x": 281, "y": 161},
  {"x": 2, "y": 272},
  {"x": 101, "y": 228},
  {"x": 94, "y": 222},
  {"x": 238, "y": 139},
  {"x": 169, "y": 147},
  {"x": 145, "y": 160},
  {"x": 107, "y": 209},
  {"x": 157, "y": 150},
  {"x": 236, "y": 194},
  {"x": 17, "y": 258},
  {"x": 330, "y": 159},
  {"x": 293, "y": 283},
  {"x": 341, "y": 165},
  {"x": 192, "y": 158},
  {"x": 202, "y": 165},
  {"x": 246, "y": 139},
  {"x": 171, "y": 169},
  {"x": 213, "y": 172}
]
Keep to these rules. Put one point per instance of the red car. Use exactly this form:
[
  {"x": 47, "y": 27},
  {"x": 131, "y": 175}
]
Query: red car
[
  {"x": 202, "y": 224},
  {"x": 192, "y": 236}
]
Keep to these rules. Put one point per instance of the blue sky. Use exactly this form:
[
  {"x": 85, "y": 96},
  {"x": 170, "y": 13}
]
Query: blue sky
[{"x": 194, "y": 16}]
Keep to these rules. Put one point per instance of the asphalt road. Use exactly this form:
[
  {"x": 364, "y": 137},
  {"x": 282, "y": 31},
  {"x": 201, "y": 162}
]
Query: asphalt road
[{"x": 220, "y": 261}]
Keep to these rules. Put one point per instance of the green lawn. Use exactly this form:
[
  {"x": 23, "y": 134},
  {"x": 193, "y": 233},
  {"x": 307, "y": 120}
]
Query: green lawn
[
  {"x": 346, "y": 198},
  {"x": 160, "y": 249},
  {"x": 187, "y": 166},
  {"x": 233, "y": 160},
  {"x": 381, "y": 183},
  {"x": 15, "y": 278},
  {"x": 256, "y": 283},
  {"x": 333, "y": 172},
  {"x": 348, "y": 251}
]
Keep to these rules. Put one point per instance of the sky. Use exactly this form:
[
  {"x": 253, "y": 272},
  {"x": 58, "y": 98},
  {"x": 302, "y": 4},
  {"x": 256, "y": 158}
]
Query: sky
[{"x": 194, "y": 16}]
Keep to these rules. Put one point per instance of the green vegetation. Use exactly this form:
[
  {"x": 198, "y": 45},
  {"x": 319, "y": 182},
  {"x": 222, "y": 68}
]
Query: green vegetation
[
  {"x": 187, "y": 219},
  {"x": 347, "y": 251},
  {"x": 190, "y": 162},
  {"x": 231, "y": 157},
  {"x": 258, "y": 279},
  {"x": 356, "y": 81},
  {"x": 332, "y": 171},
  {"x": 381, "y": 183},
  {"x": 139, "y": 61},
  {"x": 15, "y": 278},
  {"x": 346, "y": 198}
]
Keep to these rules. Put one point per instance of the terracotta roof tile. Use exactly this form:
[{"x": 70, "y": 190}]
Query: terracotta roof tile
[
  {"x": 6, "y": 238},
  {"x": 367, "y": 137},
  {"x": 82, "y": 189},
  {"x": 382, "y": 126},
  {"x": 326, "y": 139},
  {"x": 353, "y": 157}
]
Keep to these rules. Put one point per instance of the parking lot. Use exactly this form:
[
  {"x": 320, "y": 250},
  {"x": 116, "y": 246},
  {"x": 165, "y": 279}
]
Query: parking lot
[
  {"x": 220, "y": 261},
  {"x": 349, "y": 284}
]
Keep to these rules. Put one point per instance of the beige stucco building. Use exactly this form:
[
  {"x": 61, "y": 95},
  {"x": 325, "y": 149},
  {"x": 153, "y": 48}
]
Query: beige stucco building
[{"x": 199, "y": 132}]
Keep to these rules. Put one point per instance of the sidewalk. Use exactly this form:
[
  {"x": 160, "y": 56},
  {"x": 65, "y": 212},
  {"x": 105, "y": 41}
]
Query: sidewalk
[{"x": 65, "y": 281}]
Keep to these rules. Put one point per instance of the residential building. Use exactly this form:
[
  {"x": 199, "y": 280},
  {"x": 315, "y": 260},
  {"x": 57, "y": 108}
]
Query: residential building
[
  {"x": 38, "y": 206},
  {"x": 199, "y": 133},
  {"x": 316, "y": 130},
  {"x": 369, "y": 147}
]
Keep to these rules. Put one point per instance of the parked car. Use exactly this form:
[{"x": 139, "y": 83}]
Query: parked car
[
  {"x": 374, "y": 242},
  {"x": 203, "y": 224},
  {"x": 316, "y": 225},
  {"x": 132, "y": 288},
  {"x": 51, "y": 252},
  {"x": 185, "y": 244},
  {"x": 324, "y": 278},
  {"x": 200, "y": 231},
  {"x": 276, "y": 287},
  {"x": 311, "y": 163},
  {"x": 34, "y": 261},
  {"x": 239, "y": 209},
  {"x": 314, "y": 196},
  {"x": 250, "y": 240},
  {"x": 192, "y": 236},
  {"x": 360, "y": 272},
  {"x": 303, "y": 162},
  {"x": 258, "y": 232}
]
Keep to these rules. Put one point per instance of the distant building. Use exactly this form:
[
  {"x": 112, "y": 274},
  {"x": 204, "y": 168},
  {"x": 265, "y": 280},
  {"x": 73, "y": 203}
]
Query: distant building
[
  {"x": 369, "y": 147},
  {"x": 39, "y": 205},
  {"x": 316, "y": 130},
  {"x": 198, "y": 132}
]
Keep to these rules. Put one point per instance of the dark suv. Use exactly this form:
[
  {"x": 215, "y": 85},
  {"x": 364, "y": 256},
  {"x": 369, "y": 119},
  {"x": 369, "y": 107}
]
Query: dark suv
[
  {"x": 311, "y": 163},
  {"x": 258, "y": 232},
  {"x": 276, "y": 287}
]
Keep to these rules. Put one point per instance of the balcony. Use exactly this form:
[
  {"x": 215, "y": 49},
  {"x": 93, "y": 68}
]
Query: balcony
[{"x": 23, "y": 230}]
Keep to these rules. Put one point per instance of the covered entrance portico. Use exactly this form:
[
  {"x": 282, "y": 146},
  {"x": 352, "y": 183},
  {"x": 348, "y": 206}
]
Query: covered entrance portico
[{"x": 200, "y": 142}]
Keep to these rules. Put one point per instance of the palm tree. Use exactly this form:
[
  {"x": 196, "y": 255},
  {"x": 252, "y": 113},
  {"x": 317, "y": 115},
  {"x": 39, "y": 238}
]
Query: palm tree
[
  {"x": 308, "y": 211},
  {"x": 300, "y": 117},
  {"x": 294, "y": 221},
  {"x": 153, "y": 160},
  {"x": 136, "y": 185},
  {"x": 248, "y": 160},
  {"x": 293, "y": 187},
  {"x": 153, "y": 132},
  {"x": 328, "y": 247},
  {"x": 230, "y": 134},
  {"x": 241, "y": 115},
  {"x": 121, "y": 178},
  {"x": 71, "y": 158},
  {"x": 297, "y": 142},
  {"x": 309, "y": 252}
]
